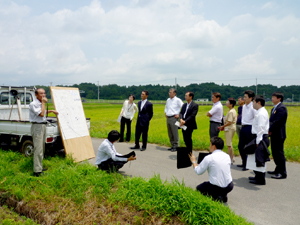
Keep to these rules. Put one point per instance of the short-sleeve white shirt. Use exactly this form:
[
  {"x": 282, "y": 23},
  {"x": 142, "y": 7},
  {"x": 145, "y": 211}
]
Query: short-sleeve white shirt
[
  {"x": 216, "y": 112},
  {"x": 35, "y": 109},
  {"x": 173, "y": 106}
]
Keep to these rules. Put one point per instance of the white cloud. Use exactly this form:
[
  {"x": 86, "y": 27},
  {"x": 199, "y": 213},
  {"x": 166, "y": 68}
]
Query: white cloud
[
  {"x": 254, "y": 64},
  {"x": 291, "y": 41},
  {"x": 269, "y": 5}
]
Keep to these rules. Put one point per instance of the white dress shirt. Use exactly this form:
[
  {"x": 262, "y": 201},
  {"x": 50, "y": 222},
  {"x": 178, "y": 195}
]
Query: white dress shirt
[
  {"x": 275, "y": 106},
  {"x": 187, "y": 107},
  {"x": 35, "y": 109},
  {"x": 173, "y": 106},
  {"x": 217, "y": 165},
  {"x": 107, "y": 150},
  {"x": 248, "y": 114},
  {"x": 143, "y": 103},
  {"x": 260, "y": 124},
  {"x": 129, "y": 110},
  {"x": 216, "y": 112}
]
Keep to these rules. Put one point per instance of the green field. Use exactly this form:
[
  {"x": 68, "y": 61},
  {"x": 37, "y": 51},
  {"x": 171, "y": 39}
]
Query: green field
[{"x": 104, "y": 119}]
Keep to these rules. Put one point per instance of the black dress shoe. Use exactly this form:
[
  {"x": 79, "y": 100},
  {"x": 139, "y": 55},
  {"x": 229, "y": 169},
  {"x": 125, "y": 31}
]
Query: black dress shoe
[
  {"x": 169, "y": 149},
  {"x": 44, "y": 169},
  {"x": 245, "y": 169},
  {"x": 272, "y": 172},
  {"x": 278, "y": 176},
  {"x": 174, "y": 150},
  {"x": 251, "y": 178},
  {"x": 135, "y": 147},
  {"x": 223, "y": 199},
  {"x": 38, "y": 174},
  {"x": 241, "y": 165},
  {"x": 143, "y": 149},
  {"x": 257, "y": 182}
]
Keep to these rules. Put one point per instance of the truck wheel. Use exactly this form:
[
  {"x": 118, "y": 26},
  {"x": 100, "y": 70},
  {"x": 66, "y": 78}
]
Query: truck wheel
[{"x": 27, "y": 148}]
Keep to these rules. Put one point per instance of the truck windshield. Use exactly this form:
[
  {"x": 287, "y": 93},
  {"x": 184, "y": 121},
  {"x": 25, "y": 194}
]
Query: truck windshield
[{"x": 4, "y": 98}]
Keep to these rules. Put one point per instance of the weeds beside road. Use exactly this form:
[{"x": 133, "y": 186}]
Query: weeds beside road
[{"x": 73, "y": 193}]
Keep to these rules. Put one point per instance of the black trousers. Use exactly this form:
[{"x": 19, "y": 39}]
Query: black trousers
[
  {"x": 122, "y": 128},
  {"x": 213, "y": 129},
  {"x": 111, "y": 165},
  {"x": 245, "y": 137},
  {"x": 277, "y": 144},
  {"x": 187, "y": 137},
  {"x": 138, "y": 131},
  {"x": 214, "y": 191}
]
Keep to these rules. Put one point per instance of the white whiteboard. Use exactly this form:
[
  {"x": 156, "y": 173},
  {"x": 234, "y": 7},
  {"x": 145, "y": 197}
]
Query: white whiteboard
[{"x": 70, "y": 113}]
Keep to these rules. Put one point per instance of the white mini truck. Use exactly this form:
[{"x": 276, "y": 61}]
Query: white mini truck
[{"x": 15, "y": 125}]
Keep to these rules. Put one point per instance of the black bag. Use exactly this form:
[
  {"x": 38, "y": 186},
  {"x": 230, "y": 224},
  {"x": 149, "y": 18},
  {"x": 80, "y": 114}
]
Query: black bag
[
  {"x": 183, "y": 159},
  {"x": 250, "y": 147},
  {"x": 201, "y": 156}
]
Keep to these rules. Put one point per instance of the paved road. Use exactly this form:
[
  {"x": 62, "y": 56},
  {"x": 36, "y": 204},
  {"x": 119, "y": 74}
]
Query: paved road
[{"x": 278, "y": 202}]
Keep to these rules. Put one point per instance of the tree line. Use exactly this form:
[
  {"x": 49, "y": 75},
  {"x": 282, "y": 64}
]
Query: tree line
[{"x": 160, "y": 92}]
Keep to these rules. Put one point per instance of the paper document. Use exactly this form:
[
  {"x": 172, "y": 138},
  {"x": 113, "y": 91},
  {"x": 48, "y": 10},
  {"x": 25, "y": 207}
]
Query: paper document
[
  {"x": 182, "y": 127},
  {"x": 251, "y": 164}
]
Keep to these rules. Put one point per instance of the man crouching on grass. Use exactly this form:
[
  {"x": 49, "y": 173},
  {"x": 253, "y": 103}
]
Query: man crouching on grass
[
  {"x": 218, "y": 166},
  {"x": 107, "y": 157}
]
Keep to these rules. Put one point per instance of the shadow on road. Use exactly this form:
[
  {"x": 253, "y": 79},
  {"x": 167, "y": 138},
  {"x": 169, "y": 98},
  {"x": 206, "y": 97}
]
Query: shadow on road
[{"x": 244, "y": 183}]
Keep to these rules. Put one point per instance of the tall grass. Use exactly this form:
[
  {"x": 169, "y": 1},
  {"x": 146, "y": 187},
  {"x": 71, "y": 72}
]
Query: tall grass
[
  {"x": 72, "y": 193},
  {"x": 104, "y": 118}
]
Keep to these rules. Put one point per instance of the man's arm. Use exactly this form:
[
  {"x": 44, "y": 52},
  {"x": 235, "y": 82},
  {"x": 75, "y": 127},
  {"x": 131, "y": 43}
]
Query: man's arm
[
  {"x": 193, "y": 113},
  {"x": 280, "y": 118},
  {"x": 202, "y": 167},
  {"x": 53, "y": 111},
  {"x": 150, "y": 112}
]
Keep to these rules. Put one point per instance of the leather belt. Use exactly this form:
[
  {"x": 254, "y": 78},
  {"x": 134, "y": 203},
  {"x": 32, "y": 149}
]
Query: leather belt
[{"x": 39, "y": 123}]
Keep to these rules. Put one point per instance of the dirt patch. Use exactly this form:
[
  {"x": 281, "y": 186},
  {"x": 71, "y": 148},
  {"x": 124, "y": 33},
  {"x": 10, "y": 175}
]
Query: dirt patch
[{"x": 64, "y": 211}]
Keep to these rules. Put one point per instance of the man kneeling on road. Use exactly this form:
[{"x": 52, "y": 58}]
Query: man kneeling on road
[
  {"x": 218, "y": 166},
  {"x": 107, "y": 157}
]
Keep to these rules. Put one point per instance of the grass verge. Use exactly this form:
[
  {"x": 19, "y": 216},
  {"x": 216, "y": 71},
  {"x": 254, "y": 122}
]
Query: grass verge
[
  {"x": 73, "y": 193},
  {"x": 104, "y": 119}
]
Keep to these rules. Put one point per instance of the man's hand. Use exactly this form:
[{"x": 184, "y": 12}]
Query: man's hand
[
  {"x": 221, "y": 128},
  {"x": 44, "y": 100},
  {"x": 176, "y": 116},
  {"x": 192, "y": 157},
  {"x": 182, "y": 122},
  {"x": 270, "y": 133},
  {"x": 131, "y": 158},
  {"x": 55, "y": 112},
  {"x": 209, "y": 115}
]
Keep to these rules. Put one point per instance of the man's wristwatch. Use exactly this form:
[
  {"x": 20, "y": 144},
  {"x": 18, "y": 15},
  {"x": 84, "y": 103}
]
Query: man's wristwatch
[{"x": 194, "y": 162}]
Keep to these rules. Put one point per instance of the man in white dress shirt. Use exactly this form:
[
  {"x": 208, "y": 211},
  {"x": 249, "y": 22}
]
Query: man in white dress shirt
[
  {"x": 37, "y": 116},
  {"x": 260, "y": 128},
  {"x": 217, "y": 165},
  {"x": 172, "y": 110},
  {"x": 248, "y": 113},
  {"x": 215, "y": 115},
  {"x": 108, "y": 159}
]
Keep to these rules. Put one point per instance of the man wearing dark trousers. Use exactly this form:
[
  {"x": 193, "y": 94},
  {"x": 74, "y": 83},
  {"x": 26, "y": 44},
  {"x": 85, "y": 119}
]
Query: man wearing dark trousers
[
  {"x": 217, "y": 165},
  {"x": 187, "y": 115},
  {"x": 248, "y": 113},
  {"x": 277, "y": 132},
  {"x": 143, "y": 120},
  {"x": 260, "y": 127}
]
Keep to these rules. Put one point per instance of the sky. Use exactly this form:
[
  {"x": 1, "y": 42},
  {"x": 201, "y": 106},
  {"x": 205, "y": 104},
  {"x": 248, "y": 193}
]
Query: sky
[{"x": 138, "y": 42}]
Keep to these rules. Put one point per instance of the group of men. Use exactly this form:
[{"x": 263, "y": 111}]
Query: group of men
[
  {"x": 253, "y": 124},
  {"x": 256, "y": 123}
]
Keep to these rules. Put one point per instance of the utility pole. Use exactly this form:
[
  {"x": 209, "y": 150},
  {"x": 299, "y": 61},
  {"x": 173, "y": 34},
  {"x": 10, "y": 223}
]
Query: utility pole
[
  {"x": 50, "y": 84},
  {"x": 98, "y": 91},
  {"x": 256, "y": 86}
]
